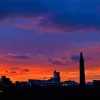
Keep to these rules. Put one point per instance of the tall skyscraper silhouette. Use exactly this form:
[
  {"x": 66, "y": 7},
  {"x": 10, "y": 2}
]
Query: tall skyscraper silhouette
[{"x": 82, "y": 71}]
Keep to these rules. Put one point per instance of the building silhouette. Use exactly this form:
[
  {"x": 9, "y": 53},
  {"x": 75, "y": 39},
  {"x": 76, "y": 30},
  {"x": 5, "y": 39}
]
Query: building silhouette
[
  {"x": 56, "y": 76},
  {"x": 4, "y": 81},
  {"x": 82, "y": 71},
  {"x": 70, "y": 83},
  {"x": 96, "y": 83},
  {"x": 53, "y": 81}
]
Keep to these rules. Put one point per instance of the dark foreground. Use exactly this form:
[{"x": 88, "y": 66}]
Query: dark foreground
[{"x": 51, "y": 93}]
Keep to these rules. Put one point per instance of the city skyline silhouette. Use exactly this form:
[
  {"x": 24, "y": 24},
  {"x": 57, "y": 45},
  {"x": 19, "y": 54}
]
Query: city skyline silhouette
[
  {"x": 56, "y": 78},
  {"x": 52, "y": 87},
  {"x": 81, "y": 72},
  {"x": 49, "y": 49},
  {"x": 42, "y": 35}
]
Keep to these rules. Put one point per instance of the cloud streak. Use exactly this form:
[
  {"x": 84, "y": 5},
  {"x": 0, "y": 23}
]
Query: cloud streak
[
  {"x": 19, "y": 56},
  {"x": 57, "y": 62},
  {"x": 15, "y": 56}
]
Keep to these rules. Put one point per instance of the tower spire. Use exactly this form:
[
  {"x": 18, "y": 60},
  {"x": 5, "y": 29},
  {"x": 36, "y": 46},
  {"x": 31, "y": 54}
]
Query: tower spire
[{"x": 82, "y": 70}]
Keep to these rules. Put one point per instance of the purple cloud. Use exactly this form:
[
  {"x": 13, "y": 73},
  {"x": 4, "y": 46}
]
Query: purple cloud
[
  {"x": 57, "y": 62},
  {"x": 19, "y": 56},
  {"x": 15, "y": 56},
  {"x": 75, "y": 58}
]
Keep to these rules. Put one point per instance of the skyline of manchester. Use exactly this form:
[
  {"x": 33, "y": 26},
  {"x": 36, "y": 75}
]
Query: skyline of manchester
[{"x": 41, "y": 35}]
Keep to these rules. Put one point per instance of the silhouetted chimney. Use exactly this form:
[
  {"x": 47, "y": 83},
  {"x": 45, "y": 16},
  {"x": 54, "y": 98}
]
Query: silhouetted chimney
[{"x": 82, "y": 71}]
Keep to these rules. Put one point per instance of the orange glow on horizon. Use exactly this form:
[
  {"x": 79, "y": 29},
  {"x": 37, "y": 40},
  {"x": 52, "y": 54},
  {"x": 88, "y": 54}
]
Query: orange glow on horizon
[{"x": 23, "y": 73}]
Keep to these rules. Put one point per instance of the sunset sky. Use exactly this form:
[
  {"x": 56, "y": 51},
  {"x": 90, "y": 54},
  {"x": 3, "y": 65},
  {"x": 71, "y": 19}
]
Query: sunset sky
[{"x": 39, "y": 36}]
